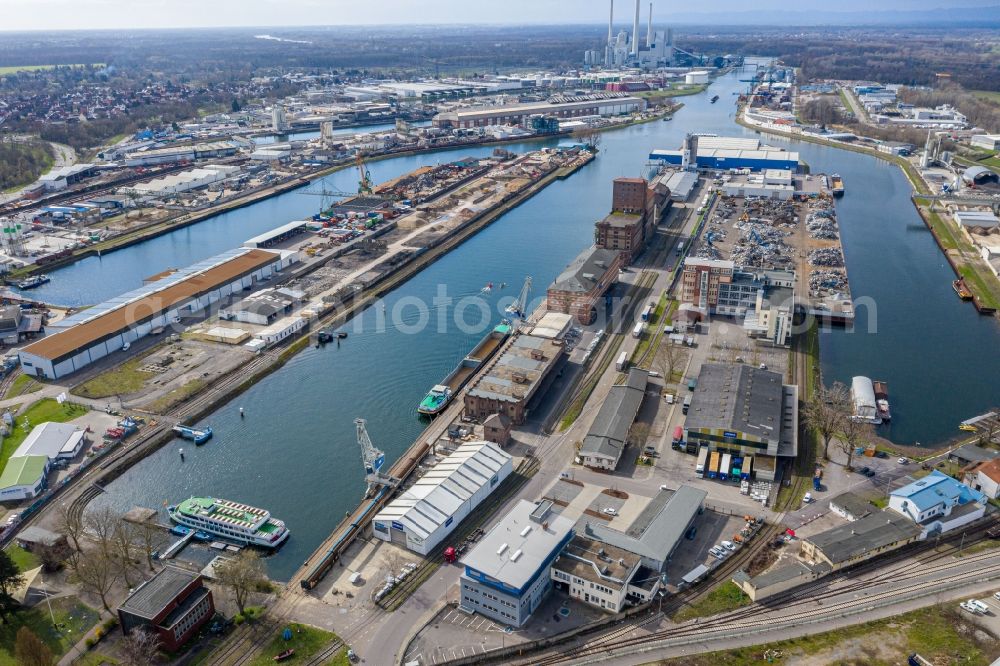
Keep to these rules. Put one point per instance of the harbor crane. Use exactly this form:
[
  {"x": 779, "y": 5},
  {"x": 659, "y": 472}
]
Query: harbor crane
[
  {"x": 373, "y": 459},
  {"x": 519, "y": 307},
  {"x": 364, "y": 176},
  {"x": 328, "y": 196}
]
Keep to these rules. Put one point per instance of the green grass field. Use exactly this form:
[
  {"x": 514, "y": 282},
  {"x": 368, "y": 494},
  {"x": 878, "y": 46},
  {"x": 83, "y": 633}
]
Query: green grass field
[
  {"x": 14, "y": 69},
  {"x": 24, "y": 560},
  {"x": 40, "y": 412},
  {"x": 988, "y": 95},
  {"x": 72, "y": 617},
  {"x": 120, "y": 380},
  {"x": 306, "y": 641},
  {"x": 22, "y": 384},
  {"x": 725, "y": 597}
]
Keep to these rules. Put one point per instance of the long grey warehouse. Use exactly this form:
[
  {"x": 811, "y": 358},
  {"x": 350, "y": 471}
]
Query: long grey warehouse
[{"x": 96, "y": 332}]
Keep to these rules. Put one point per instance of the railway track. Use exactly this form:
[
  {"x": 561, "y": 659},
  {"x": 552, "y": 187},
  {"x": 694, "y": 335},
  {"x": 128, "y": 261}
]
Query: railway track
[{"x": 805, "y": 595}]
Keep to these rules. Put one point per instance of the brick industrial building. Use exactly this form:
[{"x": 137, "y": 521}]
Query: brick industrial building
[
  {"x": 636, "y": 208},
  {"x": 174, "y": 604},
  {"x": 576, "y": 290}
]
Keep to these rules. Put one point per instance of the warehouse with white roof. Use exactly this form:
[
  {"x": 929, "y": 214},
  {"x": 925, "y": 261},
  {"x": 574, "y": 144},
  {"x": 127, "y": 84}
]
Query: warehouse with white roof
[{"x": 421, "y": 517}]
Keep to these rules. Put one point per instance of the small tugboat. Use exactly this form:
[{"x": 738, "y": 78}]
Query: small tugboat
[
  {"x": 199, "y": 437},
  {"x": 32, "y": 282},
  {"x": 961, "y": 289},
  {"x": 324, "y": 336},
  {"x": 715, "y": 99},
  {"x": 882, "y": 400}
]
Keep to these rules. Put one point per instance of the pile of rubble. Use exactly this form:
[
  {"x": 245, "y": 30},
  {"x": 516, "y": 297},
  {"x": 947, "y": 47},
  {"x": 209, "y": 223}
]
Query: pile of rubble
[
  {"x": 822, "y": 221},
  {"x": 822, "y": 227},
  {"x": 707, "y": 252},
  {"x": 826, "y": 282},
  {"x": 827, "y": 256},
  {"x": 770, "y": 211},
  {"x": 761, "y": 245}
]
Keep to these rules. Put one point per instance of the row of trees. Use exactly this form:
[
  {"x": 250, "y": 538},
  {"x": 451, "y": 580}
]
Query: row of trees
[
  {"x": 829, "y": 412},
  {"x": 21, "y": 162},
  {"x": 123, "y": 552}
]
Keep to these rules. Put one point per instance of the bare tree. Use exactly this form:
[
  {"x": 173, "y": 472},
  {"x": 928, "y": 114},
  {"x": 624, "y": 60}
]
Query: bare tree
[
  {"x": 243, "y": 575},
  {"x": 70, "y": 523},
  {"x": 125, "y": 550},
  {"x": 989, "y": 428},
  {"x": 827, "y": 411},
  {"x": 638, "y": 433},
  {"x": 856, "y": 434},
  {"x": 147, "y": 537},
  {"x": 29, "y": 650},
  {"x": 140, "y": 648},
  {"x": 96, "y": 573},
  {"x": 668, "y": 357},
  {"x": 101, "y": 524}
]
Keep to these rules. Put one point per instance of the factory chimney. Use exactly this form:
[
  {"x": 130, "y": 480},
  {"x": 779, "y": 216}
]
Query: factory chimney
[
  {"x": 609, "y": 52},
  {"x": 649, "y": 28},
  {"x": 635, "y": 30}
]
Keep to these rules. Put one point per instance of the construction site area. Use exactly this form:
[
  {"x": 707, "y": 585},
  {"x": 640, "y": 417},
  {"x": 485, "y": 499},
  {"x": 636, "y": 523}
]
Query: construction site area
[{"x": 799, "y": 234}]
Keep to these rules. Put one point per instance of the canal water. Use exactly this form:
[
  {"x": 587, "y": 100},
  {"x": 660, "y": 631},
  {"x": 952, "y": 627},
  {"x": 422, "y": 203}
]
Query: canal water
[{"x": 295, "y": 451}]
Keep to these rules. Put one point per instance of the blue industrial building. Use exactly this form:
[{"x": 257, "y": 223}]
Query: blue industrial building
[
  {"x": 506, "y": 575},
  {"x": 726, "y": 159}
]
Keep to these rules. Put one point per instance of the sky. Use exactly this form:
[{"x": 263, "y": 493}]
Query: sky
[{"x": 91, "y": 14}]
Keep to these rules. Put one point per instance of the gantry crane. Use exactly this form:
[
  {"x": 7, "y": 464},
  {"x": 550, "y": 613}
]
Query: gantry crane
[
  {"x": 373, "y": 459},
  {"x": 364, "y": 176},
  {"x": 518, "y": 308}
]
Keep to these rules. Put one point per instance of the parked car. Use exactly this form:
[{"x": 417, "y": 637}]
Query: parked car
[
  {"x": 608, "y": 510},
  {"x": 693, "y": 530},
  {"x": 717, "y": 553},
  {"x": 881, "y": 454},
  {"x": 903, "y": 461},
  {"x": 729, "y": 545},
  {"x": 808, "y": 498},
  {"x": 863, "y": 471},
  {"x": 870, "y": 472},
  {"x": 966, "y": 606},
  {"x": 980, "y": 607}
]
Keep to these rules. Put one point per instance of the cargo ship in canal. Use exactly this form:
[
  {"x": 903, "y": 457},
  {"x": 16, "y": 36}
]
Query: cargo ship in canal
[
  {"x": 837, "y": 185},
  {"x": 441, "y": 394},
  {"x": 230, "y": 520},
  {"x": 962, "y": 289}
]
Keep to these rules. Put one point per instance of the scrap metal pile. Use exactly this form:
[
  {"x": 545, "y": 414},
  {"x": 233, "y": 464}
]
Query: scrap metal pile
[
  {"x": 823, "y": 283},
  {"x": 827, "y": 256},
  {"x": 770, "y": 211},
  {"x": 822, "y": 221},
  {"x": 761, "y": 245}
]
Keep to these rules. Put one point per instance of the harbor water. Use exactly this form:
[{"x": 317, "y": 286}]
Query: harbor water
[{"x": 295, "y": 452}]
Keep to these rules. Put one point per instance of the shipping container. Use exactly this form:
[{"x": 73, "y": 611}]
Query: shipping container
[
  {"x": 724, "y": 466},
  {"x": 713, "y": 465},
  {"x": 637, "y": 331},
  {"x": 702, "y": 459}
]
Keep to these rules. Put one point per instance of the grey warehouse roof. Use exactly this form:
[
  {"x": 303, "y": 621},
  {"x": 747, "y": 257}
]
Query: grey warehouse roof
[
  {"x": 853, "y": 504},
  {"x": 661, "y": 536},
  {"x": 519, "y": 544},
  {"x": 586, "y": 270},
  {"x": 153, "y": 596},
  {"x": 609, "y": 431},
  {"x": 878, "y": 530},
  {"x": 737, "y": 397},
  {"x": 437, "y": 495}
]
